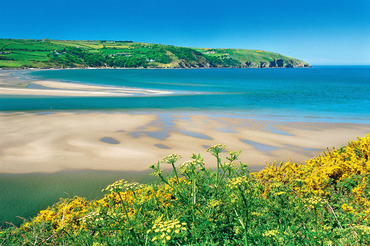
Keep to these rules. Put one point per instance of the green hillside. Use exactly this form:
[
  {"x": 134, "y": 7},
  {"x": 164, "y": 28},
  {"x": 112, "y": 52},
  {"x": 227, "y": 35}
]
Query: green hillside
[{"x": 45, "y": 53}]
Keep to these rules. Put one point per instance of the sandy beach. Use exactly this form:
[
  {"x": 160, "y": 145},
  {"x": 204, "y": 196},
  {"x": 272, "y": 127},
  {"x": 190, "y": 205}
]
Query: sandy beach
[{"x": 42, "y": 142}]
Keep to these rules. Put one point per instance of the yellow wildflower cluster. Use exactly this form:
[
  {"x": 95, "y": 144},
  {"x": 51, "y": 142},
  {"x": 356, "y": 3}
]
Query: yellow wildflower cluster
[
  {"x": 314, "y": 202},
  {"x": 161, "y": 194},
  {"x": 97, "y": 244},
  {"x": 74, "y": 214},
  {"x": 214, "y": 203},
  {"x": 270, "y": 233},
  {"x": 166, "y": 230},
  {"x": 256, "y": 214},
  {"x": 182, "y": 180},
  {"x": 235, "y": 183},
  {"x": 347, "y": 208},
  {"x": 237, "y": 230},
  {"x": 66, "y": 214},
  {"x": 363, "y": 229},
  {"x": 321, "y": 173}
]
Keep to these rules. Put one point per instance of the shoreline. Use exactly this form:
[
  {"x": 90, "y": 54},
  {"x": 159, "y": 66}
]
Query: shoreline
[
  {"x": 56, "y": 140},
  {"x": 128, "y": 141}
]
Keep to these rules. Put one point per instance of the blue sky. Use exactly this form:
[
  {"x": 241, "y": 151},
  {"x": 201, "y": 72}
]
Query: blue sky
[{"x": 316, "y": 31}]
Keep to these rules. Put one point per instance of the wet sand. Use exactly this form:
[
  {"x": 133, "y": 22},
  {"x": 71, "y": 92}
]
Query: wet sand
[{"x": 51, "y": 142}]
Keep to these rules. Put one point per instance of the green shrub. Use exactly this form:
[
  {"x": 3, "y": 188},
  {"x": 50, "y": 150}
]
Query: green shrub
[{"x": 192, "y": 205}]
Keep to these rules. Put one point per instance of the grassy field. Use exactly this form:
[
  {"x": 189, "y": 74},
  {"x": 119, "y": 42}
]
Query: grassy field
[
  {"x": 324, "y": 201},
  {"x": 24, "y": 53}
]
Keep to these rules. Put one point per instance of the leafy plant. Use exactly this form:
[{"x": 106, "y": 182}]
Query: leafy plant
[{"x": 320, "y": 202}]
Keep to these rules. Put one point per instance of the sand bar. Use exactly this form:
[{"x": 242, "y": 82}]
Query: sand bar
[
  {"x": 42, "y": 142},
  {"x": 11, "y": 85}
]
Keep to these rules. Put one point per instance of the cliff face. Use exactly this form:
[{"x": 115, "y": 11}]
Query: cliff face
[
  {"x": 250, "y": 59},
  {"x": 279, "y": 63}
]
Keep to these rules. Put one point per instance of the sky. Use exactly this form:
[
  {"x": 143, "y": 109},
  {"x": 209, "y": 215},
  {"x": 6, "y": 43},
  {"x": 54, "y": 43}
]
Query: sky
[{"x": 320, "y": 32}]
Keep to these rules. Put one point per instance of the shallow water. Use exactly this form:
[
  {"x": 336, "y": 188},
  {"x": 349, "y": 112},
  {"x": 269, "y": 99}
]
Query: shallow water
[
  {"x": 109, "y": 140},
  {"x": 24, "y": 195},
  {"x": 322, "y": 92},
  {"x": 259, "y": 146}
]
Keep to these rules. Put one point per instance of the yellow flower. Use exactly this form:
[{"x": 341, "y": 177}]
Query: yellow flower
[
  {"x": 318, "y": 175},
  {"x": 256, "y": 214},
  {"x": 279, "y": 193},
  {"x": 347, "y": 208},
  {"x": 270, "y": 233}
]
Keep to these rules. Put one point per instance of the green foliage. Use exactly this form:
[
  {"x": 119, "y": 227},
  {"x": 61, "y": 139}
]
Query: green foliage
[
  {"x": 58, "y": 53},
  {"x": 193, "y": 205}
]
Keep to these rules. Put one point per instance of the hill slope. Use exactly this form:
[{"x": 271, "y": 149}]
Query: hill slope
[{"x": 27, "y": 53}]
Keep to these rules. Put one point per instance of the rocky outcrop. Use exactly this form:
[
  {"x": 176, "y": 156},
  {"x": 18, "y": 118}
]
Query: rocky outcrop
[
  {"x": 277, "y": 63},
  {"x": 263, "y": 64}
]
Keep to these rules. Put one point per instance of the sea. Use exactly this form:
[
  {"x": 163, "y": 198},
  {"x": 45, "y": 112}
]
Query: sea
[{"x": 319, "y": 94}]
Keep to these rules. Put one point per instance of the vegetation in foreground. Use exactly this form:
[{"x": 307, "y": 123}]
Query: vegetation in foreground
[
  {"x": 45, "y": 53},
  {"x": 324, "y": 201}
]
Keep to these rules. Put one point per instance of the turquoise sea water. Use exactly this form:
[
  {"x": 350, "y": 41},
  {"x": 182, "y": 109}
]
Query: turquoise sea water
[{"x": 331, "y": 93}]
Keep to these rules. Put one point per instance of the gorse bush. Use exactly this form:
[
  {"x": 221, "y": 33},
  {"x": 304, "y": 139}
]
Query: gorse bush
[
  {"x": 345, "y": 172},
  {"x": 323, "y": 201}
]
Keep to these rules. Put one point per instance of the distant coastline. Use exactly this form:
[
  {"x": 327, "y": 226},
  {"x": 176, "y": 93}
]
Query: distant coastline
[
  {"x": 45, "y": 53},
  {"x": 160, "y": 68}
]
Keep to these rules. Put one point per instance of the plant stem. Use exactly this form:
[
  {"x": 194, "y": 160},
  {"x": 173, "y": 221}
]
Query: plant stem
[
  {"x": 194, "y": 199},
  {"x": 174, "y": 169},
  {"x": 128, "y": 218},
  {"x": 218, "y": 168},
  {"x": 244, "y": 228}
]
